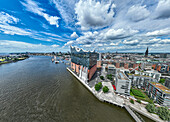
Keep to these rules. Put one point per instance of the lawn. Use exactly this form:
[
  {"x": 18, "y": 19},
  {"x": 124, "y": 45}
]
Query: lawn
[{"x": 139, "y": 94}]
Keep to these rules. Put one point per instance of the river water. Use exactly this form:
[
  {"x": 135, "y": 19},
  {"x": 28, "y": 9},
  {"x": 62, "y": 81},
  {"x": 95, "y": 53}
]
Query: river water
[{"x": 37, "y": 90}]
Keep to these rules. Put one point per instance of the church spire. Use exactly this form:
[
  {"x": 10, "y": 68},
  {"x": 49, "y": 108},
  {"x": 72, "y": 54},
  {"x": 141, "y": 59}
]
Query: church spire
[{"x": 146, "y": 53}]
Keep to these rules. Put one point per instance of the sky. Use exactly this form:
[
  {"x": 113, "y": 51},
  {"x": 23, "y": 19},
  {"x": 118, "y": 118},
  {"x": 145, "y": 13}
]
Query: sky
[{"x": 101, "y": 25}]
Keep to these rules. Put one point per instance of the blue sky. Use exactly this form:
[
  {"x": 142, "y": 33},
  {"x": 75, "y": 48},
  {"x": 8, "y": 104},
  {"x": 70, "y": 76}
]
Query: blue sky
[{"x": 113, "y": 25}]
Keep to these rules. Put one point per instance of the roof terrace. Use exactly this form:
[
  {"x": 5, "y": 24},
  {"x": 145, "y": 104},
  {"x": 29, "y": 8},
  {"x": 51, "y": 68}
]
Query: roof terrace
[
  {"x": 161, "y": 87},
  {"x": 122, "y": 76}
]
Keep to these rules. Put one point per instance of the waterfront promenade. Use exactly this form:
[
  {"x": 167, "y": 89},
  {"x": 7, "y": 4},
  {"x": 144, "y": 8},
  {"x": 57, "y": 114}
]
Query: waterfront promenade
[
  {"x": 108, "y": 97},
  {"x": 120, "y": 101}
]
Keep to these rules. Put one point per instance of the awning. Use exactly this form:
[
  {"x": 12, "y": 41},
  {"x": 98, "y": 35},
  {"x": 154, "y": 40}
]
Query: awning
[{"x": 114, "y": 87}]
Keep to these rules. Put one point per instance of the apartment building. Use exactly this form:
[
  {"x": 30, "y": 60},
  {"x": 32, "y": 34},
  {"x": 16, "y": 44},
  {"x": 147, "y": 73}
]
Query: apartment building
[{"x": 122, "y": 83}]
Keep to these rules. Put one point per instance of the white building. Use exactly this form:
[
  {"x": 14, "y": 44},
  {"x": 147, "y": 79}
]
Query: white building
[
  {"x": 151, "y": 73},
  {"x": 122, "y": 83}
]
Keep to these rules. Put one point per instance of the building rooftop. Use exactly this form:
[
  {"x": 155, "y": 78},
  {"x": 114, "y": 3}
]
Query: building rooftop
[
  {"x": 122, "y": 76},
  {"x": 80, "y": 49},
  {"x": 161, "y": 87}
]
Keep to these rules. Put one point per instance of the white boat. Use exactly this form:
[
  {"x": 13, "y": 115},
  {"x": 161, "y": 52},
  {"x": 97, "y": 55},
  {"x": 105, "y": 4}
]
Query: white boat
[{"x": 55, "y": 60}]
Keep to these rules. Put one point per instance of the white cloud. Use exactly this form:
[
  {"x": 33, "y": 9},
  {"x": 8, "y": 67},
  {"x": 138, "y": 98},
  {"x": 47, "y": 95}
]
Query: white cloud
[
  {"x": 51, "y": 34},
  {"x": 137, "y": 13},
  {"x": 165, "y": 41},
  {"x": 54, "y": 46},
  {"x": 161, "y": 32},
  {"x": 19, "y": 46},
  {"x": 74, "y": 35},
  {"x": 163, "y": 9},
  {"x": 87, "y": 45},
  {"x": 33, "y": 7},
  {"x": 93, "y": 14},
  {"x": 66, "y": 9},
  {"x": 119, "y": 33},
  {"x": 69, "y": 43},
  {"x": 6, "y": 18},
  {"x": 100, "y": 45},
  {"x": 132, "y": 42},
  {"x": 114, "y": 44},
  {"x": 12, "y": 30}
]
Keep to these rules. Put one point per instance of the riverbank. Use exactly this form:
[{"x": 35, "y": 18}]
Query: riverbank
[
  {"x": 12, "y": 60},
  {"x": 36, "y": 89},
  {"x": 117, "y": 100}
]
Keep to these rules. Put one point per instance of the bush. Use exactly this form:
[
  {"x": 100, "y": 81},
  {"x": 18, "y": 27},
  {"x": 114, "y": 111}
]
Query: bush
[
  {"x": 151, "y": 101},
  {"x": 138, "y": 101},
  {"x": 131, "y": 101},
  {"x": 164, "y": 113},
  {"x": 137, "y": 93},
  {"x": 105, "y": 89},
  {"x": 98, "y": 86},
  {"x": 162, "y": 81},
  {"x": 101, "y": 77},
  {"x": 109, "y": 76},
  {"x": 151, "y": 108}
]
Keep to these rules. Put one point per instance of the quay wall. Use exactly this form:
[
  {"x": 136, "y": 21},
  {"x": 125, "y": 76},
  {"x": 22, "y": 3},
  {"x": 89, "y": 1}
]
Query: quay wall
[{"x": 114, "y": 103}]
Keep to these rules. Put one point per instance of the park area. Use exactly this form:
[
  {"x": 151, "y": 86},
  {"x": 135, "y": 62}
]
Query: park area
[{"x": 140, "y": 95}]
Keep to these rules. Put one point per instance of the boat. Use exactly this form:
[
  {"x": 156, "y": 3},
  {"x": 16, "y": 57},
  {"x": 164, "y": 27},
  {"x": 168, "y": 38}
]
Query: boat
[{"x": 56, "y": 62}]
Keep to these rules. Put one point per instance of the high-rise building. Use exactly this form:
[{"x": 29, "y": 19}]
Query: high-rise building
[
  {"x": 84, "y": 63},
  {"x": 146, "y": 53}
]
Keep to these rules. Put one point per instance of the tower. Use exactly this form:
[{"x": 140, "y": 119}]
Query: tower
[{"x": 146, "y": 53}]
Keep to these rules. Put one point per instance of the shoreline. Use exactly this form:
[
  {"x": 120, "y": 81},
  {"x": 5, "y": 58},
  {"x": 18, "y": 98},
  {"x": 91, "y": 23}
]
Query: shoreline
[
  {"x": 126, "y": 104},
  {"x": 7, "y": 62}
]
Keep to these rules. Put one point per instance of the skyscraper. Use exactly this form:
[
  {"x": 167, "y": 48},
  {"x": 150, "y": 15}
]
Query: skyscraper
[{"x": 146, "y": 53}]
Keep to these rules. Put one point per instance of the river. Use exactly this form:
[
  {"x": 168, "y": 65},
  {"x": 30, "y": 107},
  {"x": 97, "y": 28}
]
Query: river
[{"x": 38, "y": 90}]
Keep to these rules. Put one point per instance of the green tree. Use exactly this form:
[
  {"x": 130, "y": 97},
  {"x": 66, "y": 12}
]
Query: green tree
[
  {"x": 105, "y": 89},
  {"x": 151, "y": 108},
  {"x": 101, "y": 77},
  {"x": 138, "y": 101},
  {"x": 109, "y": 76},
  {"x": 162, "y": 81},
  {"x": 131, "y": 101},
  {"x": 164, "y": 113},
  {"x": 98, "y": 86}
]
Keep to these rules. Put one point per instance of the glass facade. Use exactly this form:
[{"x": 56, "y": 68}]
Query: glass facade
[{"x": 80, "y": 57}]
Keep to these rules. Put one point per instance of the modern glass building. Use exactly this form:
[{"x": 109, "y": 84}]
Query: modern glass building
[{"x": 84, "y": 63}]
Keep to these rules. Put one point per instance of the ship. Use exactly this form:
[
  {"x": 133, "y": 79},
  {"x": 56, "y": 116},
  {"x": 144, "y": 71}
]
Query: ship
[{"x": 55, "y": 60}]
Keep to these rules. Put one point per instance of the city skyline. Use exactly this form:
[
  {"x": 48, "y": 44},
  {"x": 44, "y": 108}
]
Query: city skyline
[{"x": 115, "y": 25}]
